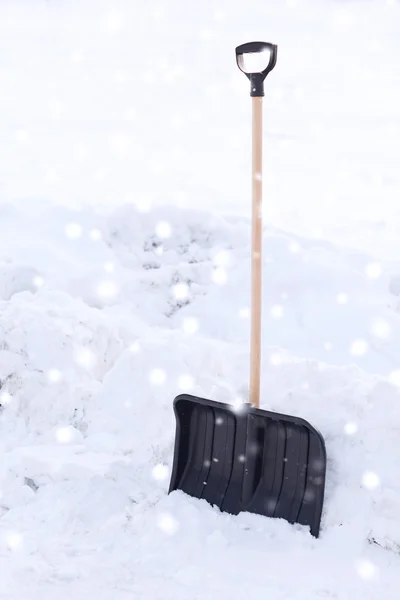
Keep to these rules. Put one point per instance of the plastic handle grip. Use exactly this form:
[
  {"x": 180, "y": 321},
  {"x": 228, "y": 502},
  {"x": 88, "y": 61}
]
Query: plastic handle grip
[{"x": 257, "y": 78}]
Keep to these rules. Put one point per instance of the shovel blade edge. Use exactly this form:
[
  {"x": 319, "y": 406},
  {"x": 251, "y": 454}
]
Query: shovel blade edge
[{"x": 249, "y": 460}]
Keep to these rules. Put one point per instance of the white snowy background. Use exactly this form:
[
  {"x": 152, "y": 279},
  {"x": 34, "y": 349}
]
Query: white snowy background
[{"x": 124, "y": 280}]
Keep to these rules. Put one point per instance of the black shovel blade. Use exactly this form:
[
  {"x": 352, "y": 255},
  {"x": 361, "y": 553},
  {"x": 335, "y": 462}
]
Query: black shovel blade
[{"x": 249, "y": 460}]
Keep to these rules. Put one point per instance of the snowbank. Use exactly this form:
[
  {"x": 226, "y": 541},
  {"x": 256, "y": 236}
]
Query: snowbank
[{"x": 104, "y": 319}]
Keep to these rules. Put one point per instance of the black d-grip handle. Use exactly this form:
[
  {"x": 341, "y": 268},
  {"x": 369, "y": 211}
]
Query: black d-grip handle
[{"x": 257, "y": 78}]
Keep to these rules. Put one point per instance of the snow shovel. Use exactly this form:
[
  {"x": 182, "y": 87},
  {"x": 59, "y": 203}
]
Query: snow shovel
[{"x": 250, "y": 459}]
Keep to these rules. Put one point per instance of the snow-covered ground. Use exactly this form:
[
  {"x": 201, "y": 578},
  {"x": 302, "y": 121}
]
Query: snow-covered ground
[{"x": 124, "y": 280}]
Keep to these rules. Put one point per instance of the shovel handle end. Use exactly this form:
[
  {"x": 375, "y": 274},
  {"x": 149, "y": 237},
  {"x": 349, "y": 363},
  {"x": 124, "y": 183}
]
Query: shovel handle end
[{"x": 256, "y": 78}]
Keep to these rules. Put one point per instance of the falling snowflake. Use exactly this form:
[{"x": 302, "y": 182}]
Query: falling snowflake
[
  {"x": 22, "y": 135},
  {"x": 294, "y": 247},
  {"x": 119, "y": 143},
  {"x": 270, "y": 505},
  {"x": 244, "y": 313},
  {"x": 64, "y": 435},
  {"x": 56, "y": 108},
  {"x": 100, "y": 175},
  {"x": 351, "y": 428},
  {"x": 121, "y": 76},
  {"x": 131, "y": 114},
  {"x": 276, "y": 359},
  {"x": 219, "y": 15},
  {"x": 373, "y": 270},
  {"x": 366, "y": 569},
  {"x": 238, "y": 406},
  {"x": 51, "y": 176},
  {"x": 219, "y": 421},
  {"x": 206, "y": 35},
  {"x": 163, "y": 229},
  {"x": 342, "y": 298},
  {"x": 394, "y": 377},
  {"x": 309, "y": 495},
  {"x": 107, "y": 289},
  {"x": 181, "y": 291},
  {"x": 127, "y": 404},
  {"x": 328, "y": 346},
  {"x": 144, "y": 205},
  {"x": 190, "y": 325},
  {"x": 54, "y": 375},
  {"x": 159, "y": 250},
  {"x": 81, "y": 152},
  {"x": 158, "y": 12},
  {"x": 167, "y": 523},
  {"x": 109, "y": 266},
  {"x": 380, "y": 328},
  {"x": 95, "y": 235},
  {"x": 318, "y": 465},
  {"x": 341, "y": 19},
  {"x": 219, "y": 276},
  {"x": 13, "y": 540},
  {"x": 73, "y": 230},
  {"x": 113, "y": 23},
  {"x": 135, "y": 347},
  {"x": 160, "y": 472},
  {"x": 186, "y": 382},
  {"x": 258, "y": 176},
  {"x": 277, "y": 311},
  {"x": 299, "y": 93},
  {"x": 222, "y": 258},
  {"x": 38, "y": 281},
  {"x": 85, "y": 357},
  {"x": 77, "y": 57},
  {"x": 253, "y": 448},
  {"x": 158, "y": 376},
  {"x": 5, "y": 398},
  {"x": 358, "y": 348},
  {"x": 241, "y": 458},
  {"x": 370, "y": 480}
]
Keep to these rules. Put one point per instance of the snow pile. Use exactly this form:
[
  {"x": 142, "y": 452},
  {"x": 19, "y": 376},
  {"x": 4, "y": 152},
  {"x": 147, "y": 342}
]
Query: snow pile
[{"x": 104, "y": 319}]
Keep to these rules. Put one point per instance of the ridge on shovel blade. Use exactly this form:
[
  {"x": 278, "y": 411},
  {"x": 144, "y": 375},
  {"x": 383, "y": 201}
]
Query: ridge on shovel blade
[{"x": 249, "y": 460}]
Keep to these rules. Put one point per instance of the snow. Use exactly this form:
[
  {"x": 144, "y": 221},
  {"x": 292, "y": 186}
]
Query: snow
[
  {"x": 124, "y": 280},
  {"x": 87, "y": 432}
]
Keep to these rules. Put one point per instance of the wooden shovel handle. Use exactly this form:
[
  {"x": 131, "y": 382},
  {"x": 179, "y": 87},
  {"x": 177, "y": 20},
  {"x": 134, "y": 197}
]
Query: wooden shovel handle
[{"x": 256, "y": 253}]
